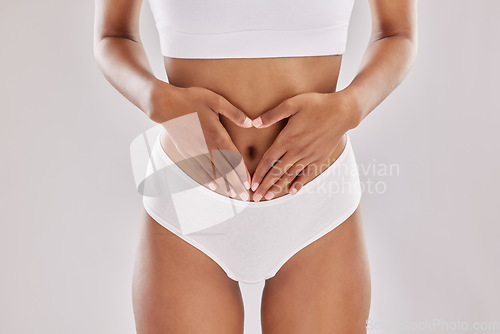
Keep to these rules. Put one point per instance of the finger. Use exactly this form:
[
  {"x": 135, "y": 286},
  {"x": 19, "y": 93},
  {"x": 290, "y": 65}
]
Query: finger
[
  {"x": 241, "y": 170},
  {"x": 227, "y": 158},
  {"x": 231, "y": 154},
  {"x": 206, "y": 165},
  {"x": 227, "y": 187},
  {"x": 234, "y": 171},
  {"x": 285, "y": 181},
  {"x": 224, "y": 107},
  {"x": 215, "y": 170},
  {"x": 222, "y": 169},
  {"x": 237, "y": 186},
  {"x": 302, "y": 178},
  {"x": 197, "y": 171},
  {"x": 249, "y": 179},
  {"x": 220, "y": 173},
  {"x": 285, "y": 109},
  {"x": 272, "y": 155},
  {"x": 274, "y": 175}
]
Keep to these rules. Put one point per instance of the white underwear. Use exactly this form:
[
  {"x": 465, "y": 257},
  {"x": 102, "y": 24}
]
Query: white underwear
[{"x": 250, "y": 241}]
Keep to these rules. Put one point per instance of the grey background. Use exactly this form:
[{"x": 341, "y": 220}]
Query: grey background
[{"x": 69, "y": 212}]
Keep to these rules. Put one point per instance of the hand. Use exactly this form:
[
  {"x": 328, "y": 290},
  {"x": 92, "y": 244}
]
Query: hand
[
  {"x": 191, "y": 119},
  {"x": 316, "y": 124}
]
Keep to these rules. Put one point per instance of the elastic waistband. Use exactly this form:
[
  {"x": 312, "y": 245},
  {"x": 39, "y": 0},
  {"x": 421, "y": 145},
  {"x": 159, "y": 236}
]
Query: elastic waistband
[
  {"x": 253, "y": 43},
  {"x": 158, "y": 151}
]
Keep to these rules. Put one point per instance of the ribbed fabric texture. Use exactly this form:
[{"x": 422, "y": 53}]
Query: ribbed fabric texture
[{"x": 251, "y": 28}]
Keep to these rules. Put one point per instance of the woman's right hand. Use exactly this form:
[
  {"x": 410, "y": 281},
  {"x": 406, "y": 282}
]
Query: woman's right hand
[{"x": 191, "y": 118}]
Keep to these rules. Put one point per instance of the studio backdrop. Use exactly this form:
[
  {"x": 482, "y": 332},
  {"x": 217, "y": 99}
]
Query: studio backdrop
[{"x": 70, "y": 211}]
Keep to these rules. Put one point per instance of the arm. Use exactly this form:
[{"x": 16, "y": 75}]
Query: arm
[
  {"x": 119, "y": 52},
  {"x": 391, "y": 51},
  {"x": 390, "y": 54},
  {"x": 123, "y": 61}
]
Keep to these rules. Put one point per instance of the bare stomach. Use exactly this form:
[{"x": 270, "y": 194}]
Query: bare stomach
[{"x": 256, "y": 85}]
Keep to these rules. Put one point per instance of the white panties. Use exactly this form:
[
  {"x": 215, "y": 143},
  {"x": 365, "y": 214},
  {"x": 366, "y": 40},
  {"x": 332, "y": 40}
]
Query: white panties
[{"x": 250, "y": 241}]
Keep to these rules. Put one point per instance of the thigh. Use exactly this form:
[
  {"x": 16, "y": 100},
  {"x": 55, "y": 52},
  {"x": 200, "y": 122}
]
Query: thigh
[
  {"x": 177, "y": 289},
  {"x": 324, "y": 288}
]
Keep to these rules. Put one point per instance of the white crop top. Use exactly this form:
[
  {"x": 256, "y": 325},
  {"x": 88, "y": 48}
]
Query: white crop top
[{"x": 251, "y": 28}]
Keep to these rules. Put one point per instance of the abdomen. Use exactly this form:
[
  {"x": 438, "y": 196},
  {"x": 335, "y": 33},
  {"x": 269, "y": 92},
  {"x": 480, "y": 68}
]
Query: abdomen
[{"x": 255, "y": 86}]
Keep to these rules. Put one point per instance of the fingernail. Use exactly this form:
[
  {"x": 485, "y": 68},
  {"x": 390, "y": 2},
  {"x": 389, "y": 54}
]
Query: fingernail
[
  {"x": 257, "y": 197},
  {"x": 255, "y": 185},
  {"x": 293, "y": 191},
  {"x": 247, "y": 123},
  {"x": 244, "y": 196},
  {"x": 246, "y": 184},
  {"x": 269, "y": 195},
  {"x": 232, "y": 193},
  {"x": 257, "y": 122},
  {"x": 212, "y": 186}
]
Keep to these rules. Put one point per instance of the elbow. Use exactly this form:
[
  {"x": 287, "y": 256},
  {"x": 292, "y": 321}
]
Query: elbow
[
  {"x": 408, "y": 38},
  {"x": 97, "y": 46},
  {"x": 101, "y": 52},
  {"x": 98, "y": 52},
  {"x": 411, "y": 38},
  {"x": 102, "y": 40},
  {"x": 412, "y": 47}
]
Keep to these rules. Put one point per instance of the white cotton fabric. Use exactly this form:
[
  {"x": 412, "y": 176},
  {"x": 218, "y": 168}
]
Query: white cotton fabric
[
  {"x": 251, "y": 28},
  {"x": 250, "y": 241}
]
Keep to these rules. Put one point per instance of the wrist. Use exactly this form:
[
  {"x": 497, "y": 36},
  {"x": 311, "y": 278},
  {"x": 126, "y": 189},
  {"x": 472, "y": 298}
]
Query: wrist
[
  {"x": 351, "y": 107},
  {"x": 159, "y": 100}
]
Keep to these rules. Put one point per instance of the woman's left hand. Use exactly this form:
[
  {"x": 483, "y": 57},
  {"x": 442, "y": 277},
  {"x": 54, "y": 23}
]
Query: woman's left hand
[{"x": 316, "y": 124}]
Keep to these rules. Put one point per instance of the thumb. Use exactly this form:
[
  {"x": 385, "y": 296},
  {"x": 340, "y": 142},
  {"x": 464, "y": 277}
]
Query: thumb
[
  {"x": 238, "y": 117},
  {"x": 283, "y": 110}
]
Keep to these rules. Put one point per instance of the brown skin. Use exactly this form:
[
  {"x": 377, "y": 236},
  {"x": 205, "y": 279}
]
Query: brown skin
[
  {"x": 324, "y": 288},
  {"x": 256, "y": 85}
]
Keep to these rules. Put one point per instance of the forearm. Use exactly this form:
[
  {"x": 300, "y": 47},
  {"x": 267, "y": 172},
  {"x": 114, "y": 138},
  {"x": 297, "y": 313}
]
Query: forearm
[
  {"x": 385, "y": 64},
  {"x": 124, "y": 64}
]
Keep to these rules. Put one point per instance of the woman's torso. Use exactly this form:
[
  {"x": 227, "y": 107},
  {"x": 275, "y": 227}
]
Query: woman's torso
[{"x": 256, "y": 85}]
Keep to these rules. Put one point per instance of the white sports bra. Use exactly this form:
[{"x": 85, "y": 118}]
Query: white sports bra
[{"x": 251, "y": 28}]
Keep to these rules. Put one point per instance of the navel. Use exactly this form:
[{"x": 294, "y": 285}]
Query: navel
[{"x": 250, "y": 152}]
